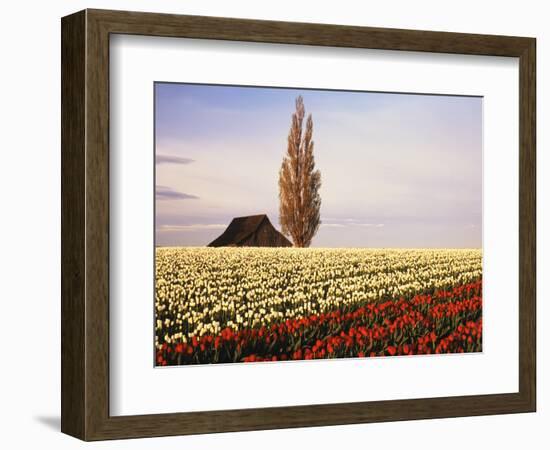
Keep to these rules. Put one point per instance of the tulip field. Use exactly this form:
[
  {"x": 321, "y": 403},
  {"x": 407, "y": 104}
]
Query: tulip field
[{"x": 225, "y": 305}]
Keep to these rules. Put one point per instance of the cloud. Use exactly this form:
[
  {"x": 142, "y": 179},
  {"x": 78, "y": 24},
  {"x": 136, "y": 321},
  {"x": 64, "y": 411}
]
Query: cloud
[
  {"x": 349, "y": 224},
  {"x": 167, "y": 193},
  {"x": 170, "y": 159},
  {"x": 332, "y": 225},
  {"x": 192, "y": 227},
  {"x": 373, "y": 225}
]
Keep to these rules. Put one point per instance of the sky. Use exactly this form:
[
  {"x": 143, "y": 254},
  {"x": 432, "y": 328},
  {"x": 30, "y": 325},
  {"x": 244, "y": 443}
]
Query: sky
[{"x": 397, "y": 170}]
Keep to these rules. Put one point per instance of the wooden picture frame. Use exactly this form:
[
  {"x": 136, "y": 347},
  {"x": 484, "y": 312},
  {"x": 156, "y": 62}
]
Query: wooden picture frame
[{"x": 85, "y": 224}]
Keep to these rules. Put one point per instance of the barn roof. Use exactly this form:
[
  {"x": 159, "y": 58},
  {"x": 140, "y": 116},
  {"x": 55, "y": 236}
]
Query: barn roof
[{"x": 242, "y": 228}]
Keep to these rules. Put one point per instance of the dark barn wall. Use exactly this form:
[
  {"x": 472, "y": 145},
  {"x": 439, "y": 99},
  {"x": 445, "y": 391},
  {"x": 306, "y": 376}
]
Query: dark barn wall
[
  {"x": 266, "y": 236},
  {"x": 251, "y": 231}
]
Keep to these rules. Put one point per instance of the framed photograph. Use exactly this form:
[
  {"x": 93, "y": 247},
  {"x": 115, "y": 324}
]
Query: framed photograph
[{"x": 273, "y": 225}]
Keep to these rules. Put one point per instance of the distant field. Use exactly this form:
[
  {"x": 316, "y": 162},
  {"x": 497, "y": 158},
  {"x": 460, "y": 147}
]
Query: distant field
[{"x": 253, "y": 304}]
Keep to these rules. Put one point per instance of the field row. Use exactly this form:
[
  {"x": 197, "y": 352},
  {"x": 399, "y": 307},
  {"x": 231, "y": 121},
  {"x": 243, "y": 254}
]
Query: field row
[
  {"x": 204, "y": 291},
  {"x": 448, "y": 321}
]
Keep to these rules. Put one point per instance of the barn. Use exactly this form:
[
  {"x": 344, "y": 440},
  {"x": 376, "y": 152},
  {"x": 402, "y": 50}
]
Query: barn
[{"x": 251, "y": 231}]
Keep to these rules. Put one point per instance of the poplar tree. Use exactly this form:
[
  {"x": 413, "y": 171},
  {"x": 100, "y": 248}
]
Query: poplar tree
[{"x": 299, "y": 182}]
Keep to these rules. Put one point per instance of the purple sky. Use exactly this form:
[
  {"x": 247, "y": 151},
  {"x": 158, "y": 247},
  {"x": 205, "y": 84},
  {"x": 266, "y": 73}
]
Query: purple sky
[{"x": 397, "y": 170}]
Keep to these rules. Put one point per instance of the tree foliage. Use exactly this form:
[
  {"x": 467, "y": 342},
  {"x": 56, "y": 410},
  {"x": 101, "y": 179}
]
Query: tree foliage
[{"x": 299, "y": 182}]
